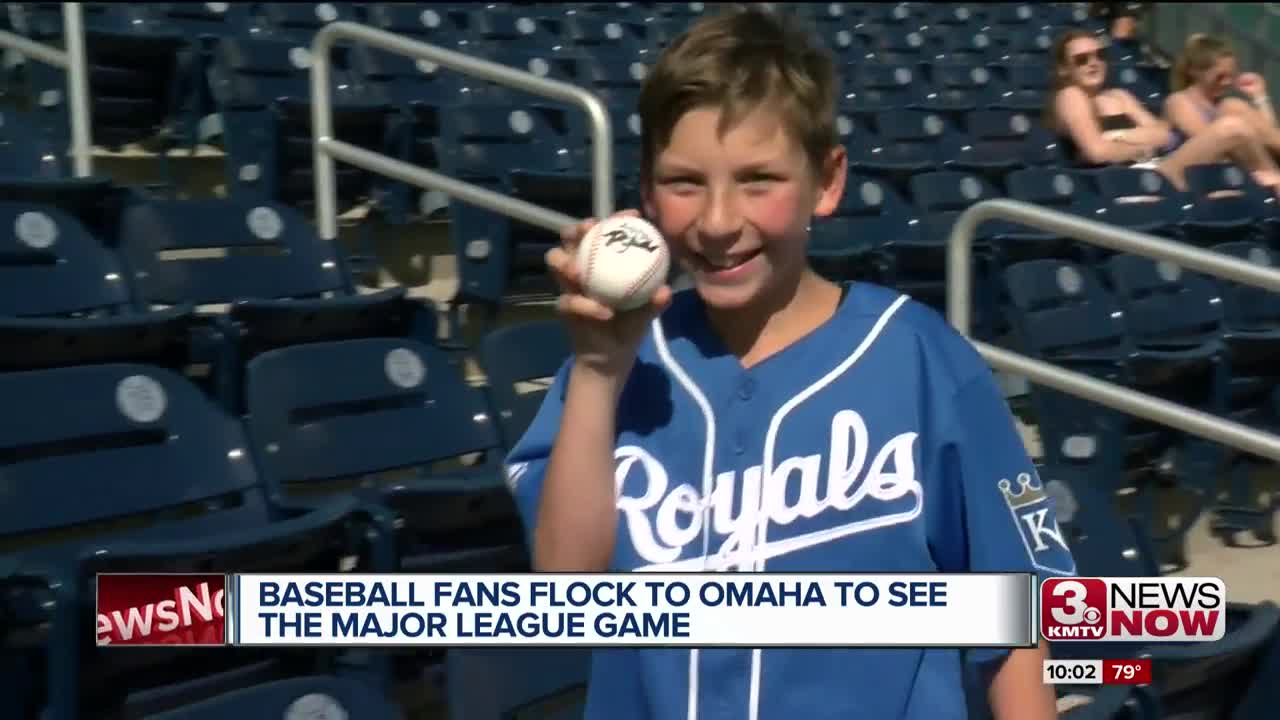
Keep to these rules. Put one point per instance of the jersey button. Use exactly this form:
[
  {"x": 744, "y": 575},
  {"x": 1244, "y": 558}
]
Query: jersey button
[{"x": 747, "y": 388}]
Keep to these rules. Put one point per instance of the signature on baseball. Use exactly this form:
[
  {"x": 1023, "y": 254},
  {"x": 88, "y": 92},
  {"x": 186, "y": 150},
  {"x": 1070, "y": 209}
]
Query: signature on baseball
[{"x": 622, "y": 238}]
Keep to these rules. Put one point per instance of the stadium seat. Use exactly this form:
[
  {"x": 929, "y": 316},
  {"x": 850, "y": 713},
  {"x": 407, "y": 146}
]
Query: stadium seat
[
  {"x": 1175, "y": 319},
  {"x": 261, "y": 89},
  {"x": 1050, "y": 188},
  {"x": 125, "y": 468},
  {"x": 297, "y": 22},
  {"x": 919, "y": 263},
  {"x": 516, "y": 150},
  {"x": 958, "y": 88},
  {"x": 1141, "y": 200},
  {"x": 871, "y": 217},
  {"x": 874, "y": 87},
  {"x": 538, "y": 683},
  {"x": 529, "y": 353},
  {"x": 1226, "y": 205},
  {"x": 1252, "y": 333},
  {"x": 440, "y": 24},
  {"x": 133, "y": 63},
  {"x": 308, "y": 697},
  {"x": 390, "y": 423},
  {"x": 906, "y": 143},
  {"x": 27, "y": 151},
  {"x": 1025, "y": 88},
  {"x": 284, "y": 284},
  {"x": 55, "y": 267}
]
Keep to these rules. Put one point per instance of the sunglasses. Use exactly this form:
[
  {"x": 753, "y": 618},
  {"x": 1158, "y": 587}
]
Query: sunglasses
[{"x": 1082, "y": 59}]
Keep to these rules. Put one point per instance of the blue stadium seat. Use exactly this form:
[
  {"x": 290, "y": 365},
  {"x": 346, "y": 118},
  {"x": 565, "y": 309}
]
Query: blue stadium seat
[
  {"x": 1028, "y": 47},
  {"x": 262, "y": 93},
  {"x": 1226, "y": 205},
  {"x": 310, "y": 697},
  {"x": 906, "y": 143},
  {"x": 55, "y": 267},
  {"x": 389, "y": 422},
  {"x": 1141, "y": 200},
  {"x": 959, "y": 88},
  {"x": 874, "y": 87},
  {"x": 548, "y": 684},
  {"x": 1025, "y": 88},
  {"x": 28, "y": 150},
  {"x": 440, "y": 24},
  {"x": 297, "y": 22},
  {"x": 205, "y": 20},
  {"x": 852, "y": 244},
  {"x": 129, "y": 467},
  {"x": 513, "y": 28},
  {"x": 523, "y": 353},
  {"x": 605, "y": 35},
  {"x": 284, "y": 284},
  {"x": 896, "y": 45},
  {"x": 1053, "y": 189},
  {"x": 133, "y": 71},
  {"x": 997, "y": 142},
  {"x": 1252, "y": 333},
  {"x": 920, "y": 263}
]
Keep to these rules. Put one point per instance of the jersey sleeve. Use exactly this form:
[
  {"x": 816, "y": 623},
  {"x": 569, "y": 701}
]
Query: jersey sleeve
[
  {"x": 991, "y": 512},
  {"x": 526, "y": 464}
]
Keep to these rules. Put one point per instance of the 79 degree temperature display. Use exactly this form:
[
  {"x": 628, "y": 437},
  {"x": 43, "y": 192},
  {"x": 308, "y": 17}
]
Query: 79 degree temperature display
[{"x": 1097, "y": 672}]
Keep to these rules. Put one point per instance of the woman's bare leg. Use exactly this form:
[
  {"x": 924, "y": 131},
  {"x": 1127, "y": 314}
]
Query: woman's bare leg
[{"x": 1229, "y": 135}]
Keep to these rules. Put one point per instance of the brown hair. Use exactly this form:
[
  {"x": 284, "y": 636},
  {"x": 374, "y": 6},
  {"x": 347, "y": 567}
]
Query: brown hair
[
  {"x": 1057, "y": 80},
  {"x": 1198, "y": 55},
  {"x": 737, "y": 61}
]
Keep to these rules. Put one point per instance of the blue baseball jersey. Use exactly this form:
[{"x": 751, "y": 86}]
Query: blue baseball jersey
[{"x": 879, "y": 442}]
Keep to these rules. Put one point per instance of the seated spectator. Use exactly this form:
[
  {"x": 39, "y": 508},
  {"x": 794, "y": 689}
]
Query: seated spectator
[
  {"x": 1106, "y": 126},
  {"x": 1122, "y": 17},
  {"x": 1206, "y": 84}
]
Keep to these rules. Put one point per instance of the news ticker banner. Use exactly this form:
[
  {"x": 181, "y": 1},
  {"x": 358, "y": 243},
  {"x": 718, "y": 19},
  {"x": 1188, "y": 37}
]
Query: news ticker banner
[{"x": 652, "y": 610}]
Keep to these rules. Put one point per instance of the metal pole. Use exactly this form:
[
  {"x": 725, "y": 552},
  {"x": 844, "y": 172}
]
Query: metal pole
[
  {"x": 464, "y": 191},
  {"x": 78, "y": 89},
  {"x": 1080, "y": 385},
  {"x": 1089, "y": 231},
  {"x": 326, "y": 147}
]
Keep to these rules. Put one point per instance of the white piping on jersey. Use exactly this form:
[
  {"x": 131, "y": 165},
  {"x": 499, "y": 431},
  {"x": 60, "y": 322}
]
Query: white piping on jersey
[
  {"x": 770, "y": 444},
  {"x": 762, "y": 550},
  {"x": 708, "y": 465}
]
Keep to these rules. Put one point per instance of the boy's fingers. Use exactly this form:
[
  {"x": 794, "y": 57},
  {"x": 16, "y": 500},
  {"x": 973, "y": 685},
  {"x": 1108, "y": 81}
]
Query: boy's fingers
[
  {"x": 571, "y": 235},
  {"x": 583, "y": 306}
]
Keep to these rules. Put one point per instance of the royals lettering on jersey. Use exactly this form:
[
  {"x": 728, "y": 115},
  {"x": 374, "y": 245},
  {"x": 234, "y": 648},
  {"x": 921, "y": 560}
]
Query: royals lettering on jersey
[
  {"x": 879, "y": 442},
  {"x": 663, "y": 518}
]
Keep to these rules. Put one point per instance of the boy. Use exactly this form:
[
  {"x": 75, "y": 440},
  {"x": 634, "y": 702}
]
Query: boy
[{"x": 768, "y": 419}]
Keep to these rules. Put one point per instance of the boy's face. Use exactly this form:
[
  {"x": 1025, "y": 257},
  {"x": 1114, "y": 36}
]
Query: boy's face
[{"x": 736, "y": 207}]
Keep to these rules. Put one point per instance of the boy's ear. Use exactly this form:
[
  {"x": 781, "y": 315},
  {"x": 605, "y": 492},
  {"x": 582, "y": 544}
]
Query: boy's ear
[{"x": 832, "y": 182}]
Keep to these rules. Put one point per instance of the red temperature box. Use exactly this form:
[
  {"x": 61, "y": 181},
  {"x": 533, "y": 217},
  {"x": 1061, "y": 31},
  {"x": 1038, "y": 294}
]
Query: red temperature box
[
  {"x": 1126, "y": 672},
  {"x": 173, "y": 609}
]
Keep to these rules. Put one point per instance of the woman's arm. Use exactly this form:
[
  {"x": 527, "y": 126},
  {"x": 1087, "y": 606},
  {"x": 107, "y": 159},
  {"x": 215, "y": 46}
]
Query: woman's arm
[
  {"x": 1076, "y": 118},
  {"x": 1151, "y": 131},
  {"x": 1184, "y": 115}
]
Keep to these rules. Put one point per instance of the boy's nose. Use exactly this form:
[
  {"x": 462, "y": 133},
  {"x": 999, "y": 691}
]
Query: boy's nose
[{"x": 720, "y": 218}]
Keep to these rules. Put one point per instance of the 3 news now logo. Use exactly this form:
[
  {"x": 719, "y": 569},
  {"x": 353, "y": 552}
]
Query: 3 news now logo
[
  {"x": 1133, "y": 609},
  {"x": 161, "y": 609}
]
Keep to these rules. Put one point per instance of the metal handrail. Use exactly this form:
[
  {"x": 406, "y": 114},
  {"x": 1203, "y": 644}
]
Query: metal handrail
[
  {"x": 72, "y": 60},
  {"x": 1180, "y": 417},
  {"x": 326, "y": 148}
]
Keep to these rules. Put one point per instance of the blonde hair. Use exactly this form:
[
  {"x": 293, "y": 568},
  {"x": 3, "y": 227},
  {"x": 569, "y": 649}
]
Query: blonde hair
[
  {"x": 1198, "y": 55},
  {"x": 738, "y": 61},
  {"x": 1058, "y": 80}
]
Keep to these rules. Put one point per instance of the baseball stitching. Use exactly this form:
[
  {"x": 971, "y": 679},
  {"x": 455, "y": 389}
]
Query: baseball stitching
[{"x": 653, "y": 267}]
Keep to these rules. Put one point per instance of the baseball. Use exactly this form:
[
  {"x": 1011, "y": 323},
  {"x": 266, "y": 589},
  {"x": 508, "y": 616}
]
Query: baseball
[{"x": 622, "y": 262}]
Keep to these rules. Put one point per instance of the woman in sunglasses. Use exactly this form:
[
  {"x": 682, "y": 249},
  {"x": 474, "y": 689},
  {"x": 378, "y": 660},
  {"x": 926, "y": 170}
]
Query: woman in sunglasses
[
  {"x": 1207, "y": 84},
  {"x": 1109, "y": 126}
]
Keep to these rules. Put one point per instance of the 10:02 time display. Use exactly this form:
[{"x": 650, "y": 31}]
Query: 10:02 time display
[{"x": 1079, "y": 672}]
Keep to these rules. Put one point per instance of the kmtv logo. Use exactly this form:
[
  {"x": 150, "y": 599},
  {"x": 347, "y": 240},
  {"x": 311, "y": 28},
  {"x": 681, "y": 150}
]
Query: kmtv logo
[{"x": 1133, "y": 609}]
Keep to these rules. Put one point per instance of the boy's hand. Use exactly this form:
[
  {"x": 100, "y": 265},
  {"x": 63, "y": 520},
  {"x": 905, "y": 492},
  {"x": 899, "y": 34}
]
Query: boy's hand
[{"x": 604, "y": 340}]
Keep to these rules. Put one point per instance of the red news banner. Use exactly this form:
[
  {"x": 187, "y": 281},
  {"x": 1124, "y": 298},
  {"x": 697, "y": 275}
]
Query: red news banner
[{"x": 162, "y": 609}]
